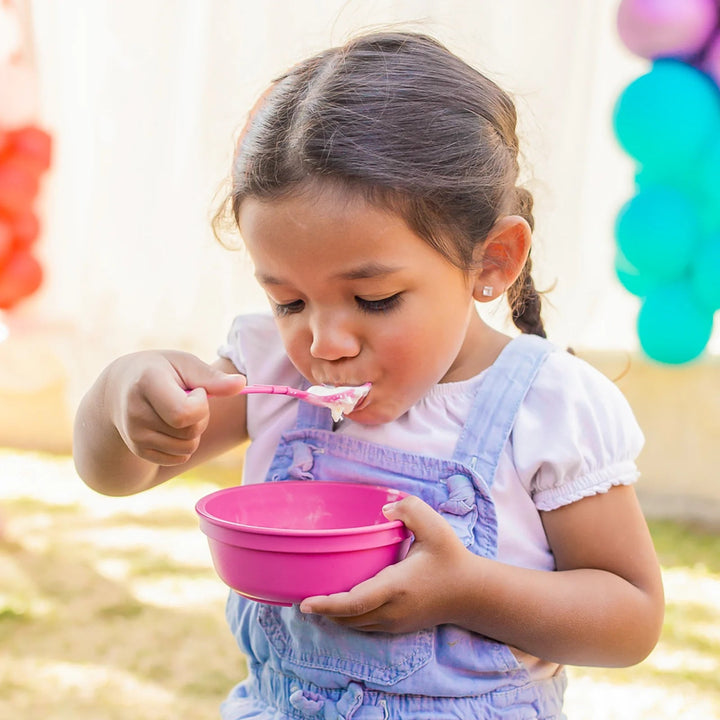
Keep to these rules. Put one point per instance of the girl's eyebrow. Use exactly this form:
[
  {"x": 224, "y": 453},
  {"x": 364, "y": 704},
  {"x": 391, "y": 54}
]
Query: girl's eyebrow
[
  {"x": 370, "y": 269},
  {"x": 265, "y": 279}
]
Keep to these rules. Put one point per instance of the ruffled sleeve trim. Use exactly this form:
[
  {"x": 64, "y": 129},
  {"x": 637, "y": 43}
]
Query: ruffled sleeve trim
[{"x": 600, "y": 481}]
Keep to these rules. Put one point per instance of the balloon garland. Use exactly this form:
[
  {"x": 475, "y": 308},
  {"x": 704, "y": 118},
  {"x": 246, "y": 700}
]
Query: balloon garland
[
  {"x": 24, "y": 157},
  {"x": 668, "y": 120},
  {"x": 25, "y": 151}
]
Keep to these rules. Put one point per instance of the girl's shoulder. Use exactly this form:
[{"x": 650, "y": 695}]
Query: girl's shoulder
[
  {"x": 562, "y": 377},
  {"x": 254, "y": 346},
  {"x": 576, "y": 433},
  {"x": 563, "y": 372}
]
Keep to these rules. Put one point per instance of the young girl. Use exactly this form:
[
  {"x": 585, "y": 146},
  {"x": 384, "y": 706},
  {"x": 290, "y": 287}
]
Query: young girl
[{"x": 374, "y": 186}]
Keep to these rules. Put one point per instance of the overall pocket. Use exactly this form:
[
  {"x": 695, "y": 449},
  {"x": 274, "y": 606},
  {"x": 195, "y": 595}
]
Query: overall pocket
[{"x": 312, "y": 642}]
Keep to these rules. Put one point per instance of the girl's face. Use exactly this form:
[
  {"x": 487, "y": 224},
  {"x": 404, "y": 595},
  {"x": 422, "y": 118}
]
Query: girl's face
[{"x": 359, "y": 297}]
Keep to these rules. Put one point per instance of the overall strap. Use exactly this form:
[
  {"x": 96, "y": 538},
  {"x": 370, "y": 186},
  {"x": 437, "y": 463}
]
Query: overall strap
[{"x": 496, "y": 404}]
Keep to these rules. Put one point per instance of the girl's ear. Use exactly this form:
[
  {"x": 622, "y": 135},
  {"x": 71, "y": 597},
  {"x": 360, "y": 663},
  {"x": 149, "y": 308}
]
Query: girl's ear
[{"x": 500, "y": 259}]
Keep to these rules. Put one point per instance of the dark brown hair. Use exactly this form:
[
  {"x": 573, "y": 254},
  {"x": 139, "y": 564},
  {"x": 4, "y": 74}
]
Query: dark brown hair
[{"x": 400, "y": 119}]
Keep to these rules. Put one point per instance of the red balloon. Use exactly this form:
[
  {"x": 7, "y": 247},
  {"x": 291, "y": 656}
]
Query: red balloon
[
  {"x": 18, "y": 186},
  {"x": 25, "y": 154},
  {"x": 25, "y": 229},
  {"x": 21, "y": 277},
  {"x": 6, "y": 243},
  {"x": 31, "y": 144}
]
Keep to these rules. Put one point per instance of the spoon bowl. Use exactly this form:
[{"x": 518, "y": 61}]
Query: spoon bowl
[{"x": 339, "y": 399}]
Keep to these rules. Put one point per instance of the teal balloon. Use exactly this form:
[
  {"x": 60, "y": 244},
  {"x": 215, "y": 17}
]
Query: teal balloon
[
  {"x": 708, "y": 173},
  {"x": 666, "y": 117},
  {"x": 684, "y": 179},
  {"x": 631, "y": 278},
  {"x": 672, "y": 328},
  {"x": 689, "y": 182},
  {"x": 705, "y": 274},
  {"x": 657, "y": 231}
]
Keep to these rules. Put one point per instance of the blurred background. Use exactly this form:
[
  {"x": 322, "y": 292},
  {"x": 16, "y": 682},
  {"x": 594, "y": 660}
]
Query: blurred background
[{"x": 141, "y": 101}]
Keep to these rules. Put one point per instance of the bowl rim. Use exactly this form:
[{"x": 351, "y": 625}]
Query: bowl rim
[{"x": 202, "y": 511}]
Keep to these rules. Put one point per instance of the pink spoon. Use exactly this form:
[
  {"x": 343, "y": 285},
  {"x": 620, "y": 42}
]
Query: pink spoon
[{"x": 340, "y": 400}]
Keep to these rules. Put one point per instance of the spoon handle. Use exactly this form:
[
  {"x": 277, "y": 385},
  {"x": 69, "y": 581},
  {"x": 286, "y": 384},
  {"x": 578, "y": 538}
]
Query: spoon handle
[{"x": 274, "y": 390}]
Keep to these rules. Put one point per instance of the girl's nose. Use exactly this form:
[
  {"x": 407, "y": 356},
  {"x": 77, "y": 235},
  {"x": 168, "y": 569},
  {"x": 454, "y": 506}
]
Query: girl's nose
[{"x": 333, "y": 339}]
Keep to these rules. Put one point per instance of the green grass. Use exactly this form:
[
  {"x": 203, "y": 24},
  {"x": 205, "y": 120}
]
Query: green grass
[
  {"x": 110, "y": 609},
  {"x": 687, "y": 546}
]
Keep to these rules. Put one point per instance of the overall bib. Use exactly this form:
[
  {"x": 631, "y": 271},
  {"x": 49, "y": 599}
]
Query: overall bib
[{"x": 306, "y": 667}]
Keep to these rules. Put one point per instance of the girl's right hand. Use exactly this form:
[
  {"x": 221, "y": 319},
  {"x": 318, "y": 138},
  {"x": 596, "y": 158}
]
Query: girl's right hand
[{"x": 158, "y": 401}]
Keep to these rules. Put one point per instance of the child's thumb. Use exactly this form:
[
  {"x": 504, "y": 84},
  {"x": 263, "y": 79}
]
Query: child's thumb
[
  {"x": 222, "y": 384},
  {"x": 197, "y": 374},
  {"x": 419, "y": 518}
]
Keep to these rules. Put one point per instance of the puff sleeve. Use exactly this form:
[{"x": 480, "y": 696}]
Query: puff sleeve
[
  {"x": 575, "y": 435},
  {"x": 232, "y": 348},
  {"x": 255, "y": 348}
]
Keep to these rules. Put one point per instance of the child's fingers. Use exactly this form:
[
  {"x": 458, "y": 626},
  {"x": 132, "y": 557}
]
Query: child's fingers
[
  {"x": 150, "y": 438},
  {"x": 171, "y": 446},
  {"x": 419, "y": 518},
  {"x": 189, "y": 432},
  {"x": 178, "y": 409},
  {"x": 356, "y": 603},
  {"x": 353, "y": 604},
  {"x": 181, "y": 399},
  {"x": 160, "y": 457}
]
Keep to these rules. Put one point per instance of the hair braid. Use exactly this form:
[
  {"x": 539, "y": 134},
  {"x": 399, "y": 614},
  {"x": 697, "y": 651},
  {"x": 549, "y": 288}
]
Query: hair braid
[
  {"x": 523, "y": 297},
  {"x": 525, "y": 303}
]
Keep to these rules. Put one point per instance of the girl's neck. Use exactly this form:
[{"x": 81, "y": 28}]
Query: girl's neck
[{"x": 480, "y": 349}]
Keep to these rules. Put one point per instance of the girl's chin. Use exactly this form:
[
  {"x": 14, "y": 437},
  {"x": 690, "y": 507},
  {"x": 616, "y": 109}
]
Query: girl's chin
[{"x": 373, "y": 414}]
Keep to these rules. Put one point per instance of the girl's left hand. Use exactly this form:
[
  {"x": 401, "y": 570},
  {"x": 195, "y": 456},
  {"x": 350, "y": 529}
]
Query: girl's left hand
[{"x": 416, "y": 593}]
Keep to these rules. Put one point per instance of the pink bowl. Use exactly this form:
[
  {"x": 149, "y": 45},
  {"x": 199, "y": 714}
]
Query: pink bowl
[{"x": 280, "y": 542}]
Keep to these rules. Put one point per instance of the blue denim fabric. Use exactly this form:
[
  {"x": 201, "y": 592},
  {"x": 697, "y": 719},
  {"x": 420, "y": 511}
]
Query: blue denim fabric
[{"x": 306, "y": 666}]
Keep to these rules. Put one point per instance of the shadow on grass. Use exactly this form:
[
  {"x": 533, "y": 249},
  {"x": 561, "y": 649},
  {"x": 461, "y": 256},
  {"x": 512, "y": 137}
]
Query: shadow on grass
[
  {"x": 59, "y": 612},
  {"x": 83, "y": 637}
]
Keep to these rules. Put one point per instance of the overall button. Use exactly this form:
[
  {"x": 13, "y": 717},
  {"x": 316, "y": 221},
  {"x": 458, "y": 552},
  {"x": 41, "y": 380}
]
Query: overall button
[
  {"x": 460, "y": 509},
  {"x": 348, "y": 707},
  {"x": 302, "y": 461}
]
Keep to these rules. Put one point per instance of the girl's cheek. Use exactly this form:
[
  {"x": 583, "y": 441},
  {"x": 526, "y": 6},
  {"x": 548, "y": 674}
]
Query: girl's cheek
[{"x": 297, "y": 347}]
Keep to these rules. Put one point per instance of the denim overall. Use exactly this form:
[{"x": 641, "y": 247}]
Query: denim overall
[{"x": 306, "y": 667}]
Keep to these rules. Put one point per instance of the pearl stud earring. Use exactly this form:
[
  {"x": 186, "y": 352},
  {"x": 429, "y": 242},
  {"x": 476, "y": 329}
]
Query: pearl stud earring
[{"x": 487, "y": 291}]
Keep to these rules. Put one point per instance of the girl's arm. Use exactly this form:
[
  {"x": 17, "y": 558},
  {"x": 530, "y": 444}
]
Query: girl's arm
[
  {"x": 152, "y": 415},
  {"x": 603, "y": 606}
]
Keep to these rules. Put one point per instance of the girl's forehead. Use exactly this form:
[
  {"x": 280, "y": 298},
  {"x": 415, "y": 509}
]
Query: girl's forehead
[
  {"x": 337, "y": 236},
  {"x": 323, "y": 209}
]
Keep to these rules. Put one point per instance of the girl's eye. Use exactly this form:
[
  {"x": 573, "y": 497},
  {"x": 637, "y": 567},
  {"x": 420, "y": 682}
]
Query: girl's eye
[
  {"x": 281, "y": 310},
  {"x": 379, "y": 306}
]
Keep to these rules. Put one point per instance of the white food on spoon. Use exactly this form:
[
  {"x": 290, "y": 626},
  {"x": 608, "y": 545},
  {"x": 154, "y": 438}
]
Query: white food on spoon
[{"x": 341, "y": 399}]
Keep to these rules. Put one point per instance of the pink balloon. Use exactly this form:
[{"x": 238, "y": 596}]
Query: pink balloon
[{"x": 666, "y": 28}]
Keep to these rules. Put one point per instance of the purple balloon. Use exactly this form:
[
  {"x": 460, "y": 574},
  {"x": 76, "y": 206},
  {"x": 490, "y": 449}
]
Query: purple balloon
[
  {"x": 711, "y": 62},
  {"x": 666, "y": 28}
]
